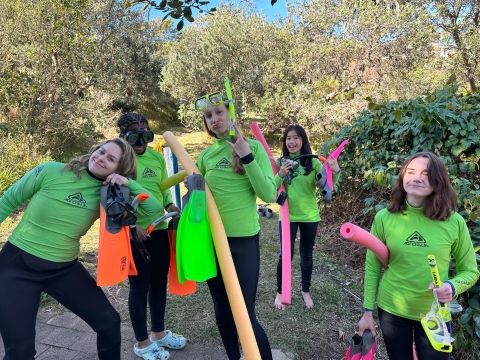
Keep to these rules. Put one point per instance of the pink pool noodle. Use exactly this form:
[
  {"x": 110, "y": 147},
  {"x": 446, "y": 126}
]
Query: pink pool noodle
[
  {"x": 362, "y": 237},
  {"x": 334, "y": 155},
  {"x": 284, "y": 217}
]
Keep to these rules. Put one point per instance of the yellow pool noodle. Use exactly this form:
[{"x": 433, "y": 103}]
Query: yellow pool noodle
[
  {"x": 224, "y": 256},
  {"x": 173, "y": 180}
]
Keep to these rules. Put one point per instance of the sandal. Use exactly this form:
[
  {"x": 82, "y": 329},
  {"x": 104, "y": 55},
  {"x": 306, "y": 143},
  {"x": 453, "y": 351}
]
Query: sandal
[
  {"x": 151, "y": 352},
  {"x": 171, "y": 341}
]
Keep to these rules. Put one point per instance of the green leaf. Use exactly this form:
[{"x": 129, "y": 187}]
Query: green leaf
[
  {"x": 466, "y": 316},
  {"x": 474, "y": 302},
  {"x": 162, "y": 5},
  {"x": 187, "y": 11},
  {"x": 180, "y": 25}
]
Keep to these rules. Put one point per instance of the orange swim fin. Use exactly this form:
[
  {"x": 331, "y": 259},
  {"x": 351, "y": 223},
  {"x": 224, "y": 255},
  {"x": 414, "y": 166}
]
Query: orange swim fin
[
  {"x": 175, "y": 287},
  {"x": 115, "y": 260}
]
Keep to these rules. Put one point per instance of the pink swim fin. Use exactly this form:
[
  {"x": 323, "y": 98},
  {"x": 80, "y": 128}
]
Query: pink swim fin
[{"x": 362, "y": 347}]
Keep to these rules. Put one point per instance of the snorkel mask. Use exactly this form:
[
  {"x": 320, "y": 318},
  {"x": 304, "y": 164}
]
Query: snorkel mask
[
  {"x": 217, "y": 99},
  {"x": 139, "y": 137},
  {"x": 434, "y": 321}
]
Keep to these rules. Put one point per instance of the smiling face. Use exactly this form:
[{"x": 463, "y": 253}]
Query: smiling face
[
  {"x": 216, "y": 118},
  {"x": 293, "y": 142},
  {"x": 416, "y": 182},
  {"x": 105, "y": 160}
]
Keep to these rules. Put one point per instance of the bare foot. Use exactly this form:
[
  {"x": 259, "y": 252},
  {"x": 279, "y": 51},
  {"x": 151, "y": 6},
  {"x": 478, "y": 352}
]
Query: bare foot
[
  {"x": 278, "y": 302},
  {"x": 307, "y": 299}
]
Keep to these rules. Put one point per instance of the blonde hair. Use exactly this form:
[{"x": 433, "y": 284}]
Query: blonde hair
[{"x": 127, "y": 164}]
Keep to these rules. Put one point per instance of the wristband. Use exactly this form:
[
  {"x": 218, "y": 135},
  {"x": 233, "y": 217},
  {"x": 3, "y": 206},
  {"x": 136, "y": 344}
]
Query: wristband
[{"x": 247, "y": 159}]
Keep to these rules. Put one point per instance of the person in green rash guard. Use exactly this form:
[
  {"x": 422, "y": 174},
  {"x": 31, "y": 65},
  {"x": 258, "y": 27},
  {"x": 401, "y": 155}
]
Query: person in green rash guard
[
  {"x": 420, "y": 220},
  {"x": 151, "y": 282},
  {"x": 41, "y": 254},
  {"x": 237, "y": 171},
  {"x": 302, "y": 204}
]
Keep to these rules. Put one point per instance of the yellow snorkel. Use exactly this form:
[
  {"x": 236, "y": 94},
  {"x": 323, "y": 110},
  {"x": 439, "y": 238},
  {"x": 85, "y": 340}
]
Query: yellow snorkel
[
  {"x": 231, "y": 106},
  {"x": 434, "y": 321}
]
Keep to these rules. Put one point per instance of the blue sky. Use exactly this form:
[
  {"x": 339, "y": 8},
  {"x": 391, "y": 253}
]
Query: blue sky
[{"x": 263, "y": 6}]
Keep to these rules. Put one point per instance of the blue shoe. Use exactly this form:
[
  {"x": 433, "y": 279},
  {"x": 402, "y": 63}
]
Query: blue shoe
[
  {"x": 151, "y": 352},
  {"x": 171, "y": 341}
]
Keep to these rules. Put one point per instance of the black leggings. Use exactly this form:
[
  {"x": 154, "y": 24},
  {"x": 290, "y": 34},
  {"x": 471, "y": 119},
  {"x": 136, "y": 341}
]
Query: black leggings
[
  {"x": 151, "y": 284},
  {"x": 399, "y": 333},
  {"x": 308, "y": 232},
  {"x": 246, "y": 257},
  {"x": 23, "y": 277}
]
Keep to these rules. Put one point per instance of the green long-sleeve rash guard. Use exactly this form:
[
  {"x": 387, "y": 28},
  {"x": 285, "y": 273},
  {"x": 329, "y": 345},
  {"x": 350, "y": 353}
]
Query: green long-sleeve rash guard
[
  {"x": 410, "y": 236},
  {"x": 151, "y": 171},
  {"x": 234, "y": 194},
  {"x": 61, "y": 210},
  {"x": 302, "y": 198}
]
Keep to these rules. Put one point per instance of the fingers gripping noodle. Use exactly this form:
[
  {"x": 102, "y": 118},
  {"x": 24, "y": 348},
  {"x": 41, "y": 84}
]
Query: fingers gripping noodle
[
  {"x": 224, "y": 256},
  {"x": 362, "y": 237},
  {"x": 284, "y": 217},
  {"x": 334, "y": 155}
]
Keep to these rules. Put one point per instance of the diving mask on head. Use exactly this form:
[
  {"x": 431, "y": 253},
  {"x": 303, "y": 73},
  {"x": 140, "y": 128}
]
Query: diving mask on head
[
  {"x": 215, "y": 99},
  {"x": 139, "y": 137}
]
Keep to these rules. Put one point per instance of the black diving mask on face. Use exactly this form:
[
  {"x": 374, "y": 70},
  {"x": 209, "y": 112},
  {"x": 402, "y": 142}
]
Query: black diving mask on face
[{"x": 139, "y": 137}]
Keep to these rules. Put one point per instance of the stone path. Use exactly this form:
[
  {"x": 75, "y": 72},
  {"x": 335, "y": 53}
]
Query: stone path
[{"x": 64, "y": 336}]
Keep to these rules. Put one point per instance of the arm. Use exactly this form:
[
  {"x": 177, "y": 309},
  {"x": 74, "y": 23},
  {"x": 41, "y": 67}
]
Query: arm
[
  {"x": 467, "y": 271},
  {"x": 259, "y": 171},
  {"x": 21, "y": 191},
  {"x": 373, "y": 268},
  {"x": 151, "y": 205}
]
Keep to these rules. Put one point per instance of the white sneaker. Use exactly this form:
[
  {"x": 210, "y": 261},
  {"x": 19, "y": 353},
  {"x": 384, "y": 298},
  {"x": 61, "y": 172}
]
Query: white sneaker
[{"x": 151, "y": 352}]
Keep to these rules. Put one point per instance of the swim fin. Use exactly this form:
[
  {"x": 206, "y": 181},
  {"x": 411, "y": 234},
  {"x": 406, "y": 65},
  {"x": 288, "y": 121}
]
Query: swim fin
[
  {"x": 195, "y": 253},
  {"x": 174, "y": 286},
  {"x": 362, "y": 347},
  {"x": 115, "y": 260}
]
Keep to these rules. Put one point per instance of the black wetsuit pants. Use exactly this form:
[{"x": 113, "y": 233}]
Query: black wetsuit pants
[
  {"x": 23, "y": 277},
  {"x": 149, "y": 285},
  {"x": 246, "y": 257},
  {"x": 308, "y": 232}
]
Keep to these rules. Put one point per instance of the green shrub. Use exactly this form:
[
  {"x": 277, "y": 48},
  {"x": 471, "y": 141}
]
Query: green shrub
[{"x": 17, "y": 156}]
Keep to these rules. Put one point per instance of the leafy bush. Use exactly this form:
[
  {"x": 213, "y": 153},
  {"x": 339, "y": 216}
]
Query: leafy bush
[
  {"x": 17, "y": 156},
  {"x": 443, "y": 122}
]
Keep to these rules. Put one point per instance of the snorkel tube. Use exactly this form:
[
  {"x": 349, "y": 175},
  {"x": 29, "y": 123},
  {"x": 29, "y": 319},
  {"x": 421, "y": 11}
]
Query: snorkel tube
[{"x": 231, "y": 106}]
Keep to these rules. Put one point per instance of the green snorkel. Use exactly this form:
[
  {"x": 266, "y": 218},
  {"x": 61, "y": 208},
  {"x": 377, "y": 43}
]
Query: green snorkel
[{"x": 231, "y": 106}]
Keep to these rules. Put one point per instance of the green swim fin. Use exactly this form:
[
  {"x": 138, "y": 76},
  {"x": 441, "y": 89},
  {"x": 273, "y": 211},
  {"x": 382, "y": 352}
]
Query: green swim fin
[{"x": 195, "y": 253}]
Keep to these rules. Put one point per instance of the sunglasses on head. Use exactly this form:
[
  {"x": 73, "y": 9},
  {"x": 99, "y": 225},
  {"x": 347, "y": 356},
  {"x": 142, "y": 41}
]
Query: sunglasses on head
[
  {"x": 215, "y": 99},
  {"x": 139, "y": 137}
]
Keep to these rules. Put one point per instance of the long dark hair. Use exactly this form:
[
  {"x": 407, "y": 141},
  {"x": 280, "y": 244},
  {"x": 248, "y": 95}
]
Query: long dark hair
[
  {"x": 305, "y": 149},
  {"x": 440, "y": 204},
  {"x": 237, "y": 165}
]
